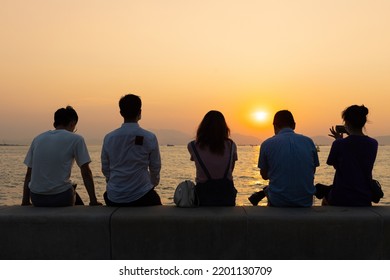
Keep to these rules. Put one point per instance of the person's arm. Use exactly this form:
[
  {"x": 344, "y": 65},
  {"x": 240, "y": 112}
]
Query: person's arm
[
  {"x": 155, "y": 165},
  {"x": 86, "y": 173},
  {"x": 264, "y": 173},
  {"x": 105, "y": 164},
  {"x": 263, "y": 162},
  {"x": 235, "y": 156},
  {"x": 333, "y": 155},
  {"x": 26, "y": 190}
]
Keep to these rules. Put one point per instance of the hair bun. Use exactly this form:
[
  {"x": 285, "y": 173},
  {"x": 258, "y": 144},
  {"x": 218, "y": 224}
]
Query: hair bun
[{"x": 364, "y": 110}]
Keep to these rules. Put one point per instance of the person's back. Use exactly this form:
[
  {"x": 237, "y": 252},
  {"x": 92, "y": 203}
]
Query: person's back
[
  {"x": 52, "y": 156},
  {"x": 289, "y": 161},
  {"x": 131, "y": 160},
  {"x": 353, "y": 158},
  {"x": 216, "y": 164},
  {"x": 126, "y": 161}
]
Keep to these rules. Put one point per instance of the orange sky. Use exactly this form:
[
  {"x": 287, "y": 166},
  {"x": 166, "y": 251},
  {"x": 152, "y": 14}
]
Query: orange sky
[{"x": 187, "y": 57}]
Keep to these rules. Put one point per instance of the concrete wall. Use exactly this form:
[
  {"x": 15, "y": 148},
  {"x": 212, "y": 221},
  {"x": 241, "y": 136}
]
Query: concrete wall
[{"x": 167, "y": 232}]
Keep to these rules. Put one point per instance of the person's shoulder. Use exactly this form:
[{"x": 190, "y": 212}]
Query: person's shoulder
[
  {"x": 189, "y": 145},
  {"x": 339, "y": 142},
  {"x": 112, "y": 133},
  {"x": 38, "y": 138},
  {"x": 265, "y": 142},
  {"x": 268, "y": 143},
  {"x": 76, "y": 137},
  {"x": 230, "y": 143},
  {"x": 303, "y": 137},
  {"x": 373, "y": 140},
  {"x": 41, "y": 135},
  {"x": 147, "y": 133},
  {"x": 270, "y": 140},
  {"x": 359, "y": 139}
]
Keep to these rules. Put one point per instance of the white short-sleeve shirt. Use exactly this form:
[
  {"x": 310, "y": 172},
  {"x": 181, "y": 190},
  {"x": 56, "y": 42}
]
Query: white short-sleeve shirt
[{"x": 51, "y": 157}]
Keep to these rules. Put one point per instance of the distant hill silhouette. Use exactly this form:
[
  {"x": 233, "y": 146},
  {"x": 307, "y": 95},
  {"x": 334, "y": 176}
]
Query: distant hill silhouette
[
  {"x": 241, "y": 139},
  {"x": 383, "y": 140},
  {"x": 171, "y": 137},
  {"x": 175, "y": 137},
  {"x": 322, "y": 140}
]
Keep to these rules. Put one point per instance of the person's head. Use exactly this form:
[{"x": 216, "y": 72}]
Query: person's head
[
  {"x": 66, "y": 118},
  {"x": 212, "y": 132},
  {"x": 130, "y": 107},
  {"x": 283, "y": 119},
  {"x": 355, "y": 117}
]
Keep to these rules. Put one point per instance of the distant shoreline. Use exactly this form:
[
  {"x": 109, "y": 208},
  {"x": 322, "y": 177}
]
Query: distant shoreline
[{"x": 11, "y": 145}]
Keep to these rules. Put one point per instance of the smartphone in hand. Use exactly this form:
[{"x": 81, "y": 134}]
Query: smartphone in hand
[{"x": 341, "y": 129}]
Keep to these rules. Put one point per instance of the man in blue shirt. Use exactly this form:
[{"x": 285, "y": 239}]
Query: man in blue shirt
[{"x": 288, "y": 160}]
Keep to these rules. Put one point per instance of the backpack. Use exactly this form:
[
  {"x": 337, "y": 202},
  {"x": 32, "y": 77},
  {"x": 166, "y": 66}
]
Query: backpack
[
  {"x": 185, "y": 195},
  {"x": 215, "y": 192}
]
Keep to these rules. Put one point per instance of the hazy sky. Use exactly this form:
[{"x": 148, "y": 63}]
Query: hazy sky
[{"x": 185, "y": 58}]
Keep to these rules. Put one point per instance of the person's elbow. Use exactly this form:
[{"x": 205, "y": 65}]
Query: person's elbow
[
  {"x": 155, "y": 179},
  {"x": 86, "y": 170},
  {"x": 264, "y": 174}
]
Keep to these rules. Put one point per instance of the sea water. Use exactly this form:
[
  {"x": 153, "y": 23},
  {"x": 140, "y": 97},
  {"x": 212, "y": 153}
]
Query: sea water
[{"x": 176, "y": 167}]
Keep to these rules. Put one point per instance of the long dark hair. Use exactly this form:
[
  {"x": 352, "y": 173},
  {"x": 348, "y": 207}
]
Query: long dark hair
[{"x": 212, "y": 132}]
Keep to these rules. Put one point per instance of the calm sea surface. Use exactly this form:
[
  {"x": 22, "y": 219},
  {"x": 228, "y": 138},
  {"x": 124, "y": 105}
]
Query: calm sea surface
[{"x": 176, "y": 167}]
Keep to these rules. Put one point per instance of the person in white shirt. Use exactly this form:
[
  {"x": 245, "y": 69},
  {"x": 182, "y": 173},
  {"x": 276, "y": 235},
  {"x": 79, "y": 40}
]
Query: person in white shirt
[
  {"x": 49, "y": 163},
  {"x": 131, "y": 160}
]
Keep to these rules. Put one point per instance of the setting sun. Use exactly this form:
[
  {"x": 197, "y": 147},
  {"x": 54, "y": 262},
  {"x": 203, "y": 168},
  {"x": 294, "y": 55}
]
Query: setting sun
[{"x": 260, "y": 116}]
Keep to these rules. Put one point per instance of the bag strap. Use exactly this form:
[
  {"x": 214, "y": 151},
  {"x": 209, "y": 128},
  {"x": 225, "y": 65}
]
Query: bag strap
[
  {"x": 204, "y": 166},
  {"x": 200, "y": 160}
]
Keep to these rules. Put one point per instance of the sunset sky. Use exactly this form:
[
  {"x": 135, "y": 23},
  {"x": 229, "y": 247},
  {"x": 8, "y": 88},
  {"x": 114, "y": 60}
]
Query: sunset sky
[{"x": 246, "y": 58}]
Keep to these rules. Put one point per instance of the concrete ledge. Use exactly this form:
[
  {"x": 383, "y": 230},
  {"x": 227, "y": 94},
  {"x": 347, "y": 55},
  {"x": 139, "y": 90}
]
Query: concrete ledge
[
  {"x": 175, "y": 233},
  {"x": 167, "y": 232},
  {"x": 316, "y": 233},
  {"x": 56, "y": 233}
]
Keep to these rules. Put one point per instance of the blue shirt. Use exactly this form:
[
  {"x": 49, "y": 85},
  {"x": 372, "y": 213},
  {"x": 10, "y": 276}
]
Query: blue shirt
[
  {"x": 291, "y": 160},
  {"x": 353, "y": 158},
  {"x": 131, "y": 163}
]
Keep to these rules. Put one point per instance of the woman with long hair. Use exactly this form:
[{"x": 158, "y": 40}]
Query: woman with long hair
[
  {"x": 353, "y": 158},
  {"x": 214, "y": 154}
]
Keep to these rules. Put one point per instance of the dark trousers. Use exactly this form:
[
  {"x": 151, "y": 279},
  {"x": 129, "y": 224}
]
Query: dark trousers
[
  {"x": 67, "y": 198},
  {"x": 149, "y": 199}
]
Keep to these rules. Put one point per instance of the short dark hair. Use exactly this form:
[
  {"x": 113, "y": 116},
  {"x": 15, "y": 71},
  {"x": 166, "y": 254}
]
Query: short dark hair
[
  {"x": 355, "y": 115},
  {"x": 130, "y": 106},
  {"x": 64, "y": 116},
  {"x": 284, "y": 118}
]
